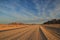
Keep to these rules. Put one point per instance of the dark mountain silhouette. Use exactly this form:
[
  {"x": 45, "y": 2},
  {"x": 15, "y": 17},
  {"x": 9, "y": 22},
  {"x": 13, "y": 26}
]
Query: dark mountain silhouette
[{"x": 53, "y": 21}]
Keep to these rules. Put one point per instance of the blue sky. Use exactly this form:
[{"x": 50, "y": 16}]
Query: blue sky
[{"x": 29, "y": 11}]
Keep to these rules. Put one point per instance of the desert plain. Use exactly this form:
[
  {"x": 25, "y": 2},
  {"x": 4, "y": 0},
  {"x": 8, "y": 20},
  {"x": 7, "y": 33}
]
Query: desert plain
[{"x": 30, "y": 32}]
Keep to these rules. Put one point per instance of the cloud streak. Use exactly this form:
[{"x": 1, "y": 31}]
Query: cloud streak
[{"x": 29, "y": 11}]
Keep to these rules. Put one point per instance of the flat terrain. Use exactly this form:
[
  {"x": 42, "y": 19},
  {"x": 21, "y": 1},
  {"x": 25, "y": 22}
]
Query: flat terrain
[{"x": 30, "y": 32}]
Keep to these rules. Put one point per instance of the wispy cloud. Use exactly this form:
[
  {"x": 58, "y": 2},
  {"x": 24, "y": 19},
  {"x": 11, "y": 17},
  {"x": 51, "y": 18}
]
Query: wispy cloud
[{"x": 29, "y": 11}]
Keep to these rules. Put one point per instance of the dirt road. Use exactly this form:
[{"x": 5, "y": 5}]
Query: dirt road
[{"x": 31, "y": 32}]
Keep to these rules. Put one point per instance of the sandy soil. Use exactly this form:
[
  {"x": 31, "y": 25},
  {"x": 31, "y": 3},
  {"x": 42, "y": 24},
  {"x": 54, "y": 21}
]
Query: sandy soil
[{"x": 30, "y": 32}]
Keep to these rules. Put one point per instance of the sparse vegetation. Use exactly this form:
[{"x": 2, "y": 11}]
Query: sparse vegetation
[{"x": 15, "y": 23}]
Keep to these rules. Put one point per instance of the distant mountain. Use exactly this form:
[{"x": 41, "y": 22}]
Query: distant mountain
[
  {"x": 15, "y": 23},
  {"x": 53, "y": 21}
]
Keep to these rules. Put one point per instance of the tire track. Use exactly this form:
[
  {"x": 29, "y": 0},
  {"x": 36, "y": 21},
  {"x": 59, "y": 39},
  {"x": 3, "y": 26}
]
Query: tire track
[
  {"x": 10, "y": 35},
  {"x": 54, "y": 31},
  {"x": 48, "y": 34},
  {"x": 7, "y": 33},
  {"x": 29, "y": 34},
  {"x": 42, "y": 35},
  {"x": 17, "y": 35}
]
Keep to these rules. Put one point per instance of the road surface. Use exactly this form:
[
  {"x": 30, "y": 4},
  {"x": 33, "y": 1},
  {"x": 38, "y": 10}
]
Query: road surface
[{"x": 31, "y": 32}]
